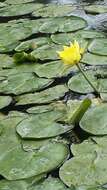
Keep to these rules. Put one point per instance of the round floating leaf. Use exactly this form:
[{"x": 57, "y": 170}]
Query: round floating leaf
[
  {"x": 54, "y": 10},
  {"x": 63, "y": 38},
  {"x": 58, "y": 105},
  {"x": 13, "y": 185},
  {"x": 53, "y": 69},
  {"x": 79, "y": 84},
  {"x": 5, "y": 101},
  {"x": 50, "y": 183},
  {"x": 45, "y": 96},
  {"x": 6, "y": 61},
  {"x": 92, "y": 155},
  {"x": 24, "y": 82},
  {"x": 43, "y": 126},
  {"x": 93, "y": 59},
  {"x": 96, "y": 9},
  {"x": 63, "y": 24},
  {"x": 16, "y": 10},
  {"x": 89, "y": 34},
  {"x": 32, "y": 44},
  {"x": 18, "y": 164},
  {"x": 95, "y": 121},
  {"x": 98, "y": 46},
  {"x": 17, "y": 2}
]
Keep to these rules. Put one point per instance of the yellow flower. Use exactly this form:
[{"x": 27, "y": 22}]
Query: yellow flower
[{"x": 71, "y": 55}]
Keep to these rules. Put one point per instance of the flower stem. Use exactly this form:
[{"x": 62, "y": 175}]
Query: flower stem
[{"x": 85, "y": 76}]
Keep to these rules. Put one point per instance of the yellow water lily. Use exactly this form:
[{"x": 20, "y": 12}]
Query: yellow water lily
[{"x": 71, "y": 55}]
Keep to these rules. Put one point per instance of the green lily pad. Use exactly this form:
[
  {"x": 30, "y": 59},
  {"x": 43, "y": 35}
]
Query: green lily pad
[
  {"x": 98, "y": 46},
  {"x": 97, "y": 116},
  {"x": 63, "y": 38},
  {"x": 97, "y": 76},
  {"x": 96, "y": 9},
  {"x": 92, "y": 155},
  {"x": 5, "y": 101},
  {"x": 13, "y": 185},
  {"x": 32, "y": 44},
  {"x": 5, "y": 61},
  {"x": 90, "y": 34},
  {"x": 11, "y": 2},
  {"x": 63, "y": 24},
  {"x": 16, "y": 10},
  {"x": 53, "y": 69},
  {"x": 43, "y": 126},
  {"x": 56, "y": 105},
  {"x": 4, "y": 48},
  {"x": 45, "y": 96},
  {"x": 54, "y": 11},
  {"x": 49, "y": 183},
  {"x": 93, "y": 59},
  {"x": 79, "y": 84},
  {"x": 46, "y": 52},
  {"x": 18, "y": 164},
  {"x": 24, "y": 82}
]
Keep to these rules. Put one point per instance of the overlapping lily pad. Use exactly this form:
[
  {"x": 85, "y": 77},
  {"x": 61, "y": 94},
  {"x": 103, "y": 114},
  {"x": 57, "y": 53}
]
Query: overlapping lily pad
[
  {"x": 92, "y": 59},
  {"x": 17, "y": 2},
  {"x": 54, "y": 11},
  {"x": 46, "y": 52},
  {"x": 45, "y": 96},
  {"x": 53, "y": 69},
  {"x": 16, "y": 10},
  {"x": 32, "y": 44},
  {"x": 43, "y": 125},
  {"x": 94, "y": 120},
  {"x": 93, "y": 155},
  {"x": 79, "y": 84},
  {"x": 32, "y": 163},
  {"x": 97, "y": 77},
  {"x": 49, "y": 183},
  {"x": 5, "y": 101},
  {"x": 98, "y": 46},
  {"x": 96, "y": 9},
  {"x": 63, "y": 24},
  {"x": 26, "y": 82}
]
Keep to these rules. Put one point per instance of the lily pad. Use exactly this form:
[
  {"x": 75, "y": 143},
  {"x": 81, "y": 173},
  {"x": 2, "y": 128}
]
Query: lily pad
[
  {"x": 6, "y": 61},
  {"x": 97, "y": 77},
  {"x": 50, "y": 183},
  {"x": 13, "y": 185},
  {"x": 11, "y": 2},
  {"x": 32, "y": 44},
  {"x": 96, "y": 9},
  {"x": 94, "y": 120},
  {"x": 56, "y": 105},
  {"x": 46, "y": 52},
  {"x": 90, "y": 34},
  {"x": 16, "y": 10},
  {"x": 54, "y": 11},
  {"x": 24, "y": 82},
  {"x": 92, "y": 154},
  {"x": 32, "y": 163},
  {"x": 5, "y": 101},
  {"x": 79, "y": 84},
  {"x": 92, "y": 59},
  {"x": 98, "y": 46},
  {"x": 45, "y": 96},
  {"x": 43, "y": 125},
  {"x": 63, "y": 24},
  {"x": 53, "y": 69}
]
